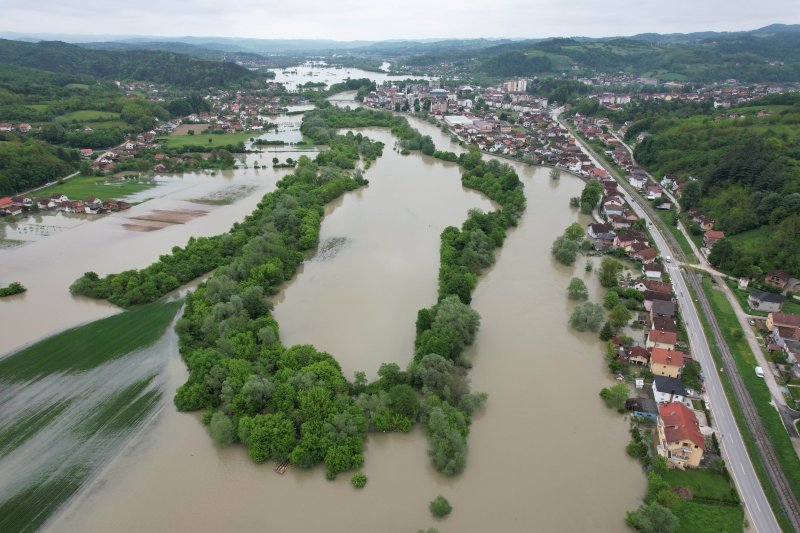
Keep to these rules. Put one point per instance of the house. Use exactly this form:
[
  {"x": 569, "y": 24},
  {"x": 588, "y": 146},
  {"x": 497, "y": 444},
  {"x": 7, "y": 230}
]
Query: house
[
  {"x": 651, "y": 296},
  {"x": 667, "y": 390},
  {"x": 765, "y": 301},
  {"x": 637, "y": 180},
  {"x": 643, "y": 408},
  {"x": 86, "y": 153},
  {"x": 5, "y": 205},
  {"x": 661, "y": 339},
  {"x": 711, "y": 236},
  {"x": 777, "y": 279},
  {"x": 679, "y": 439},
  {"x": 668, "y": 363},
  {"x": 638, "y": 355},
  {"x": 783, "y": 320},
  {"x": 601, "y": 231},
  {"x": 646, "y": 255},
  {"x": 662, "y": 308},
  {"x": 644, "y": 285},
  {"x": 653, "y": 270}
]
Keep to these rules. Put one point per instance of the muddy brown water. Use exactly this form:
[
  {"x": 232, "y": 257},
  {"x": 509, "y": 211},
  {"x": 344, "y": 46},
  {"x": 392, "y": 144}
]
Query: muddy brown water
[{"x": 545, "y": 454}]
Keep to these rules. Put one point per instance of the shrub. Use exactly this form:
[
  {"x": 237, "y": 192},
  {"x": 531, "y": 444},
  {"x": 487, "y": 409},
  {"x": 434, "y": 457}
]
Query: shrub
[
  {"x": 440, "y": 507},
  {"x": 358, "y": 480}
]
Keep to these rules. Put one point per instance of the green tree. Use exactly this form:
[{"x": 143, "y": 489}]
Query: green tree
[
  {"x": 575, "y": 232},
  {"x": 616, "y": 395},
  {"x": 690, "y": 375},
  {"x": 577, "y": 289},
  {"x": 606, "y": 332},
  {"x": 611, "y": 300},
  {"x": 440, "y": 507},
  {"x": 592, "y": 192},
  {"x": 610, "y": 270},
  {"x": 555, "y": 173},
  {"x": 653, "y": 518},
  {"x": 221, "y": 429},
  {"x": 358, "y": 480},
  {"x": 587, "y": 316},
  {"x": 619, "y": 316},
  {"x": 565, "y": 250}
]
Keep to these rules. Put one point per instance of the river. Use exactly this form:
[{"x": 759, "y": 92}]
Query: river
[{"x": 545, "y": 454}]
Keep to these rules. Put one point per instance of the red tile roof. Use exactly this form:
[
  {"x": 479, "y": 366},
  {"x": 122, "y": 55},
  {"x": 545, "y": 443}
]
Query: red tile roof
[
  {"x": 663, "y": 337},
  {"x": 779, "y": 319},
  {"x": 680, "y": 424},
  {"x": 662, "y": 356}
]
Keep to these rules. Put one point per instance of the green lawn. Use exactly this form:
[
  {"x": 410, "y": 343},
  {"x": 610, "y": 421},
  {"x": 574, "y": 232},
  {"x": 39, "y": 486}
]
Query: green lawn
[
  {"x": 89, "y": 115},
  {"x": 745, "y": 363},
  {"x": 91, "y": 345},
  {"x": 202, "y": 141},
  {"x": 107, "y": 124},
  {"x": 105, "y": 188},
  {"x": 666, "y": 216},
  {"x": 754, "y": 240},
  {"x": 703, "y": 484},
  {"x": 701, "y": 518},
  {"x": 37, "y": 107}
]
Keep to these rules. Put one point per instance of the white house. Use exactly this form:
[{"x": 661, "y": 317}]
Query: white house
[{"x": 666, "y": 390}]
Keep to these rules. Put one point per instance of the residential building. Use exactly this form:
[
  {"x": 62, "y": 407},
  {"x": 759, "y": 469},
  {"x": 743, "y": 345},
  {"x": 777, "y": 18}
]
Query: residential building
[
  {"x": 711, "y": 236},
  {"x": 668, "y": 363},
  {"x": 661, "y": 339},
  {"x": 777, "y": 279},
  {"x": 666, "y": 390},
  {"x": 679, "y": 439},
  {"x": 765, "y": 301}
]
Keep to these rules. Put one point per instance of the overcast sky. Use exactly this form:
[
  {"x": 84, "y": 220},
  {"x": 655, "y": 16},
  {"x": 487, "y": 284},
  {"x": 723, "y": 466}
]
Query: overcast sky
[{"x": 378, "y": 20}]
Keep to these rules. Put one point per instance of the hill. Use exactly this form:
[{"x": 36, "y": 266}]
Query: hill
[
  {"x": 747, "y": 171},
  {"x": 759, "y": 56},
  {"x": 144, "y": 65}
]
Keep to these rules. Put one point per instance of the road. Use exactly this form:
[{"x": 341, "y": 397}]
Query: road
[
  {"x": 788, "y": 415},
  {"x": 732, "y": 445}
]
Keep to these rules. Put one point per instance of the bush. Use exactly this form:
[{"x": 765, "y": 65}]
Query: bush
[
  {"x": 358, "y": 480},
  {"x": 440, "y": 507},
  {"x": 587, "y": 316}
]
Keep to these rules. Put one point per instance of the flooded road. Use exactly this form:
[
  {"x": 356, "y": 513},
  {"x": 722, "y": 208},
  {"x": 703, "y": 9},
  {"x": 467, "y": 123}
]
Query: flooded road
[{"x": 545, "y": 454}]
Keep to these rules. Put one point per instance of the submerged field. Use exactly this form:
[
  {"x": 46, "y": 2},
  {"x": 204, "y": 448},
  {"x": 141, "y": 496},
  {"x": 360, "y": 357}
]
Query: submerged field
[
  {"x": 71, "y": 402},
  {"x": 209, "y": 141},
  {"x": 105, "y": 188}
]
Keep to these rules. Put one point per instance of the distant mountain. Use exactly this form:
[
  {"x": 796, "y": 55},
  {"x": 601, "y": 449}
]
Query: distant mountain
[
  {"x": 144, "y": 65},
  {"x": 174, "y": 47}
]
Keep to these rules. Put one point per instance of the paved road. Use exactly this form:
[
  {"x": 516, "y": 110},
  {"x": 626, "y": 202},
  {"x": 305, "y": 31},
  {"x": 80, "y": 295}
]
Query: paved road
[{"x": 732, "y": 445}]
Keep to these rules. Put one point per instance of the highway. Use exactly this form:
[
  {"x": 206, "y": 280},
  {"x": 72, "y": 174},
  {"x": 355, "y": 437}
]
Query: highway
[{"x": 732, "y": 445}]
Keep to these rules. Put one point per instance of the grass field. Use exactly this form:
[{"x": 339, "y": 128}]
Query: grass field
[
  {"x": 745, "y": 363},
  {"x": 703, "y": 484},
  {"x": 85, "y": 347},
  {"x": 701, "y": 518},
  {"x": 666, "y": 216},
  {"x": 202, "y": 141},
  {"x": 80, "y": 187},
  {"x": 89, "y": 115}
]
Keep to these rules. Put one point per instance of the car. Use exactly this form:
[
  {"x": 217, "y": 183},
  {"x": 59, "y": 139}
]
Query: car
[
  {"x": 752, "y": 322},
  {"x": 759, "y": 372},
  {"x": 669, "y": 259}
]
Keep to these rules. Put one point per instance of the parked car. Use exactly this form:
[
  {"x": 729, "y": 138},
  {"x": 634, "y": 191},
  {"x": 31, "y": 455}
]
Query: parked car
[
  {"x": 759, "y": 372},
  {"x": 752, "y": 322}
]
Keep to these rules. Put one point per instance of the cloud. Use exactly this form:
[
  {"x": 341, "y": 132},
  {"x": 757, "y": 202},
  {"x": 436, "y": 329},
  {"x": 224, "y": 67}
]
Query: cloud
[{"x": 359, "y": 20}]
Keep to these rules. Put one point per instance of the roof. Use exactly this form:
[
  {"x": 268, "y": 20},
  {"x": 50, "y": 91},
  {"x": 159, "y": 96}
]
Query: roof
[
  {"x": 664, "y": 323},
  {"x": 655, "y": 295},
  {"x": 645, "y": 405},
  {"x": 714, "y": 234},
  {"x": 785, "y": 319},
  {"x": 663, "y": 307},
  {"x": 663, "y": 337},
  {"x": 779, "y": 274},
  {"x": 769, "y": 297},
  {"x": 638, "y": 351},
  {"x": 669, "y": 385},
  {"x": 663, "y": 356},
  {"x": 680, "y": 424},
  {"x": 657, "y": 286},
  {"x": 654, "y": 267},
  {"x": 648, "y": 253}
]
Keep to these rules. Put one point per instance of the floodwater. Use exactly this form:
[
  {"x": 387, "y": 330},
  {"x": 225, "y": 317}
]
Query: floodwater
[
  {"x": 319, "y": 72},
  {"x": 545, "y": 454},
  {"x": 183, "y": 206}
]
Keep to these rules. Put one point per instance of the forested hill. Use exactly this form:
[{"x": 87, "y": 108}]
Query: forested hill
[
  {"x": 751, "y": 57},
  {"x": 142, "y": 65},
  {"x": 748, "y": 177}
]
